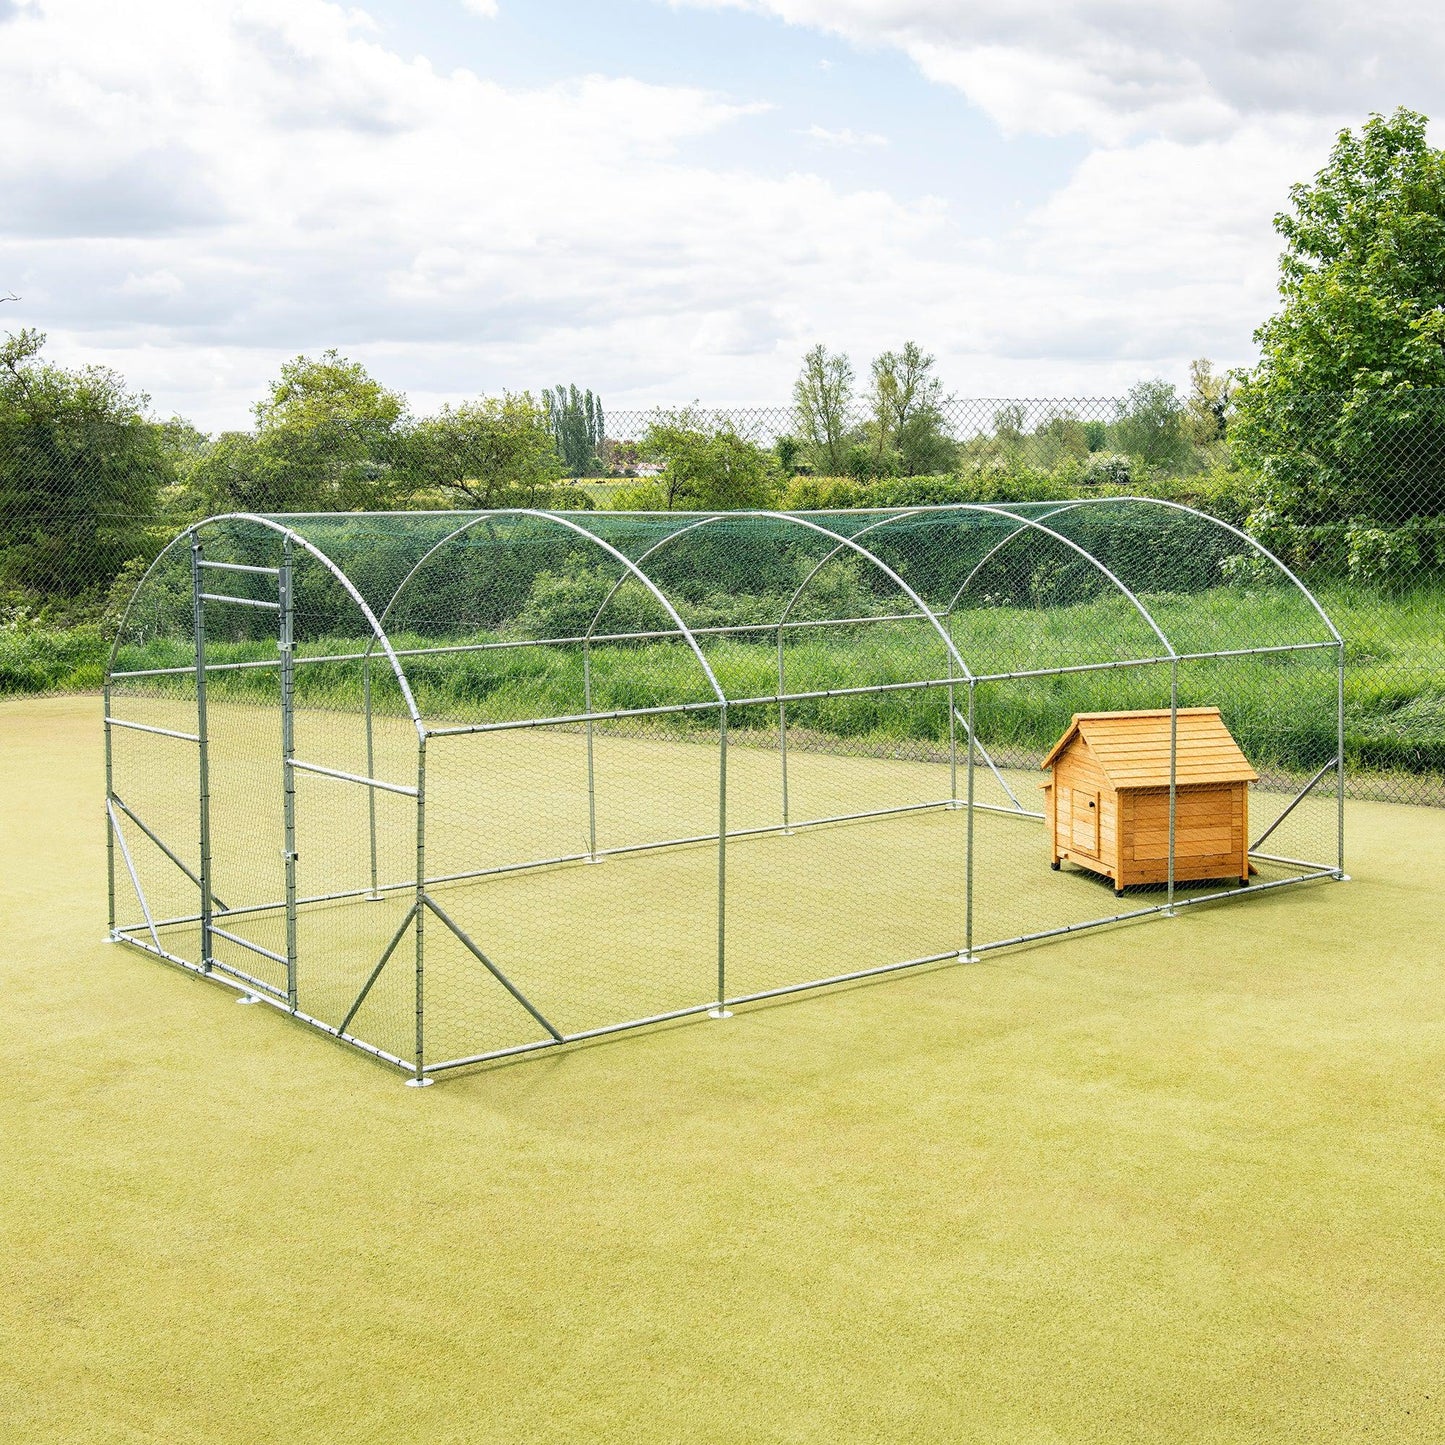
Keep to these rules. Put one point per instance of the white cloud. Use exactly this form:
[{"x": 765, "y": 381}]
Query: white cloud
[
  {"x": 236, "y": 182},
  {"x": 844, "y": 137},
  {"x": 194, "y": 190},
  {"x": 487, "y": 9},
  {"x": 1177, "y": 68}
]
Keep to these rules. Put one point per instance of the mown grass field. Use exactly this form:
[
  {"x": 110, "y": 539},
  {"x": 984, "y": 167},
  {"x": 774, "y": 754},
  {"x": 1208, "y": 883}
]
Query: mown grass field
[{"x": 1172, "y": 1182}]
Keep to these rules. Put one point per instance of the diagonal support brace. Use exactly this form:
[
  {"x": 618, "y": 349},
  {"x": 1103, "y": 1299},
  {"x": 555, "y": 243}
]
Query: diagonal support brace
[
  {"x": 1294, "y": 802},
  {"x": 381, "y": 963},
  {"x": 492, "y": 968}
]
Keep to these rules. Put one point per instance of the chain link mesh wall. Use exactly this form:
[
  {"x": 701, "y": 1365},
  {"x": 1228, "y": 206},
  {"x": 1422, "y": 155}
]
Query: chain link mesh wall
[
  {"x": 1349, "y": 491},
  {"x": 455, "y": 786}
]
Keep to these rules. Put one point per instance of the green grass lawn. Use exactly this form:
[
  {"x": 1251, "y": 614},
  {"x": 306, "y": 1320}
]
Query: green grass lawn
[{"x": 1176, "y": 1181}]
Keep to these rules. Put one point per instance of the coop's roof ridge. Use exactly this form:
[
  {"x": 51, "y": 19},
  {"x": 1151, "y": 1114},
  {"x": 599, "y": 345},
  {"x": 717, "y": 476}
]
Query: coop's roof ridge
[
  {"x": 1141, "y": 712},
  {"x": 1133, "y": 751}
]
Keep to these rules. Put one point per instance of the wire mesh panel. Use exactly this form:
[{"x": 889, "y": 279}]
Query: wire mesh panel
[
  {"x": 154, "y": 780},
  {"x": 509, "y": 779}
]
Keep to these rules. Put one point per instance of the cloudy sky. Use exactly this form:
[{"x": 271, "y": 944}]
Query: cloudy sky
[{"x": 668, "y": 200}]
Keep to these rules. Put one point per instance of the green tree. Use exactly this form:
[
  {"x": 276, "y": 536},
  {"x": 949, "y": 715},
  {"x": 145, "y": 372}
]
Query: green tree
[
  {"x": 822, "y": 406},
  {"x": 706, "y": 467},
  {"x": 82, "y": 468},
  {"x": 1339, "y": 414},
  {"x": 1207, "y": 409},
  {"x": 906, "y": 428},
  {"x": 578, "y": 428},
  {"x": 328, "y": 438},
  {"x": 1059, "y": 439},
  {"x": 497, "y": 451},
  {"x": 1150, "y": 425},
  {"x": 789, "y": 452}
]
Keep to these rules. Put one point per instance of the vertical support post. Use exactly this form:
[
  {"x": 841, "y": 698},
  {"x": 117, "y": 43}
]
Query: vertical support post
[
  {"x": 953, "y": 732},
  {"x": 722, "y": 1011},
  {"x": 109, "y": 824},
  {"x": 285, "y": 644},
  {"x": 591, "y": 761},
  {"x": 370, "y": 770},
  {"x": 1340, "y": 764},
  {"x": 419, "y": 1079},
  {"x": 968, "y": 864},
  {"x": 203, "y": 765},
  {"x": 1173, "y": 773},
  {"x": 783, "y": 729}
]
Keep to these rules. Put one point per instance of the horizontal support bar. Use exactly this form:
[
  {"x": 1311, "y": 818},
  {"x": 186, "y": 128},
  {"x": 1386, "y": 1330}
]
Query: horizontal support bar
[
  {"x": 234, "y": 666},
  {"x": 259, "y": 984},
  {"x": 579, "y": 717},
  {"x": 246, "y": 943},
  {"x": 1179, "y": 902},
  {"x": 121, "y": 722},
  {"x": 122, "y": 935},
  {"x": 690, "y": 1012},
  {"x": 1149, "y": 661},
  {"x": 770, "y": 627},
  {"x": 656, "y": 634},
  {"x": 350, "y": 1040},
  {"x": 460, "y": 1063},
  {"x": 240, "y": 601},
  {"x": 223, "y": 972},
  {"x": 614, "y": 714},
  {"x": 353, "y": 778},
  {"x": 771, "y": 699},
  {"x": 407, "y": 885},
  {"x": 940, "y": 805},
  {"x": 1289, "y": 862},
  {"x": 436, "y": 880},
  {"x": 239, "y": 567}
]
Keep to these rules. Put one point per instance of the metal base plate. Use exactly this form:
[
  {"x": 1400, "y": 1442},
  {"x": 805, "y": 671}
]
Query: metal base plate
[
  {"x": 421, "y": 1083},
  {"x": 719, "y": 1013}
]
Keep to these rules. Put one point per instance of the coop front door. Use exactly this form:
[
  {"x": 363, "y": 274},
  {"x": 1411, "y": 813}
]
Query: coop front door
[{"x": 1084, "y": 831}]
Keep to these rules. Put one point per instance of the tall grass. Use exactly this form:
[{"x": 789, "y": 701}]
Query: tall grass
[{"x": 1282, "y": 709}]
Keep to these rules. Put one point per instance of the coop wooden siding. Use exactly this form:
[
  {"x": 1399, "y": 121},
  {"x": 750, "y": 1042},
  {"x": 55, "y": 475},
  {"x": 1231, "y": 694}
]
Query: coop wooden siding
[
  {"x": 1078, "y": 777},
  {"x": 1209, "y": 834}
]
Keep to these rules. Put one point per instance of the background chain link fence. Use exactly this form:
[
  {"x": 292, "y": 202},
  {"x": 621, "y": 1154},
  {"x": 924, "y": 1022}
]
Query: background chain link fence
[{"x": 1348, "y": 490}]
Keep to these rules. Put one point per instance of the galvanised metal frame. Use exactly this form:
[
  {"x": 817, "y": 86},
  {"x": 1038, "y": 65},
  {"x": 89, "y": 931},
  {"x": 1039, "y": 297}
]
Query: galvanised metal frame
[{"x": 958, "y": 676}]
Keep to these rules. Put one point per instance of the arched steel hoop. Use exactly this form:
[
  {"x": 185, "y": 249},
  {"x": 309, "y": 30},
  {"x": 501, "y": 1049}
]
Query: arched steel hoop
[
  {"x": 981, "y": 507},
  {"x": 1238, "y": 532},
  {"x": 642, "y": 557},
  {"x": 628, "y": 564},
  {"x": 842, "y": 542},
  {"x": 963, "y": 587},
  {"x": 378, "y": 632}
]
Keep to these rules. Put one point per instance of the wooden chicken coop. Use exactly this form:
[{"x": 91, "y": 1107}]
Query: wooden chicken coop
[{"x": 1106, "y": 804}]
